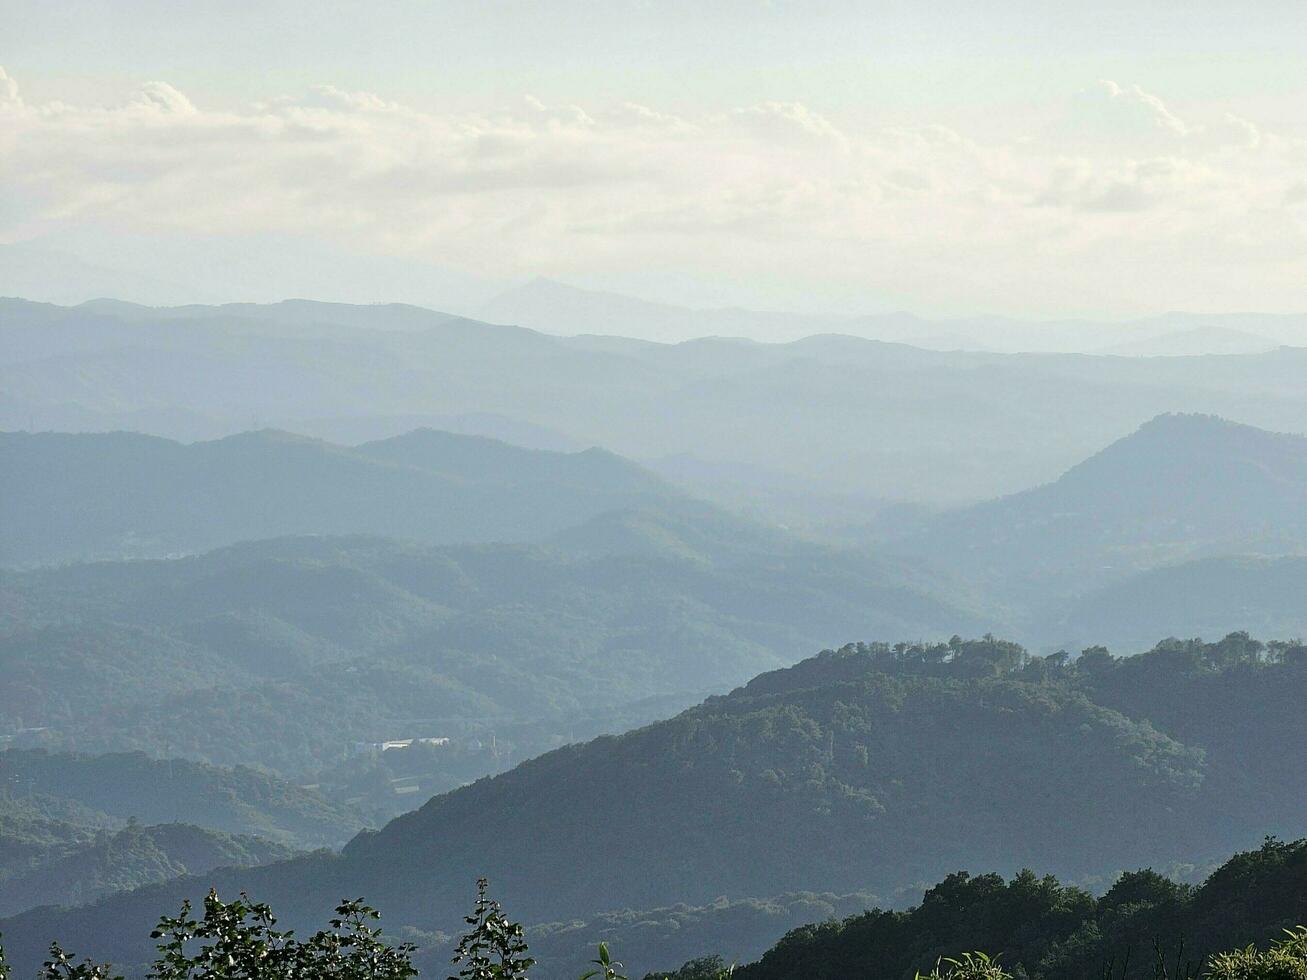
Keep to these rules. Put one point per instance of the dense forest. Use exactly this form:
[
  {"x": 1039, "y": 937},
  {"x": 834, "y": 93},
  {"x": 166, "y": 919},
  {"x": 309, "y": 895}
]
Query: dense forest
[
  {"x": 55, "y": 863},
  {"x": 116, "y": 787},
  {"x": 873, "y": 767},
  {"x": 286, "y": 653},
  {"x": 1039, "y": 928},
  {"x": 74, "y": 828},
  {"x": 1241, "y": 923}
]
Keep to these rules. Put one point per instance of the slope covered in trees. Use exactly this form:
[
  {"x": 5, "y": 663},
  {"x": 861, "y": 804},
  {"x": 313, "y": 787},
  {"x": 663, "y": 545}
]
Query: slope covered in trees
[
  {"x": 1039, "y": 928},
  {"x": 75, "y": 828},
  {"x": 285, "y": 653},
  {"x": 79, "y": 497},
  {"x": 1240, "y": 924},
  {"x": 74, "y": 872},
  {"x": 871, "y": 768},
  {"x": 742, "y": 928},
  {"x": 102, "y": 791}
]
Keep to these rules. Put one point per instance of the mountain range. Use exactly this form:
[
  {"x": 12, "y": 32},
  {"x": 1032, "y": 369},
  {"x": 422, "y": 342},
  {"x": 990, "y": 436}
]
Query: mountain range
[
  {"x": 556, "y": 307},
  {"x": 873, "y": 767},
  {"x": 832, "y": 416},
  {"x": 108, "y": 790},
  {"x": 1181, "y": 489},
  {"x": 579, "y": 673},
  {"x": 283, "y": 653},
  {"x": 80, "y": 497}
]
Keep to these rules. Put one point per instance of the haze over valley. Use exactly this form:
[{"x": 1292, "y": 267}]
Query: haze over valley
[{"x": 624, "y": 492}]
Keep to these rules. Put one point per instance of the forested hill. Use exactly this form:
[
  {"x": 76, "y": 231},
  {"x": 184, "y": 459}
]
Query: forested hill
[
  {"x": 94, "y": 496},
  {"x": 80, "y": 867},
  {"x": 1182, "y": 487},
  {"x": 872, "y": 768},
  {"x": 131, "y": 786},
  {"x": 284, "y": 653},
  {"x": 1041, "y": 929},
  {"x": 74, "y": 828}
]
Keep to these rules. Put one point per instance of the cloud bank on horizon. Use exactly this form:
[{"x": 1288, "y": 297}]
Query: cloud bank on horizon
[{"x": 1122, "y": 207}]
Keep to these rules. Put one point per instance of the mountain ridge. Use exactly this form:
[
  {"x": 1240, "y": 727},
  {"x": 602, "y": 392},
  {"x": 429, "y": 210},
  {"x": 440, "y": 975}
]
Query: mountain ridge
[
  {"x": 1181, "y": 487},
  {"x": 78, "y": 496},
  {"x": 867, "y": 766}
]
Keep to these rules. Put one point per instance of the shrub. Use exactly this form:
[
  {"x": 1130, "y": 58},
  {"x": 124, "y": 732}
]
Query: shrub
[{"x": 1285, "y": 960}]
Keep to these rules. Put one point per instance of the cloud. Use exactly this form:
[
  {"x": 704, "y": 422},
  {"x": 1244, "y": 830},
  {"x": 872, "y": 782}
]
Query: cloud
[
  {"x": 786, "y": 121},
  {"x": 1138, "y": 104},
  {"x": 162, "y": 99},
  {"x": 1126, "y": 191},
  {"x": 8, "y": 90}
]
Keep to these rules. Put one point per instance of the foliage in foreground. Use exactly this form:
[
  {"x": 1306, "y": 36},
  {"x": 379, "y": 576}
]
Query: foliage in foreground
[
  {"x": 1285, "y": 960},
  {"x": 1145, "y": 926},
  {"x": 968, "y": 966},
  {"x": 239, "y": 941}
]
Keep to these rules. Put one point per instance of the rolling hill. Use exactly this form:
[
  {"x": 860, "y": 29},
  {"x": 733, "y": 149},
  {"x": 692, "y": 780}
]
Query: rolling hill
[
  {"x": 107, "y": 790},
  {"x": 1207, "y": 597},
  {"x": 79, "y": 497},
  {"x": 284, "y": 653},
  {"x": 832, "y": 416},
  {"x": 1182, "y": 487},
  {"x": 114, "y": 861},
  {"x": 556, "y": 307},
  {"x": 74, "y": 828},
  {"x": 868, "y": 768}
]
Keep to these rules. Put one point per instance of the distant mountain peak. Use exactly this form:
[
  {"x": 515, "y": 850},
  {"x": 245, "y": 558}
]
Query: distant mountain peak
[
  {"x": 1180, "y": 486},
  {"x": 1174, "y": 433},
  {"x": 271, "y": 437}
]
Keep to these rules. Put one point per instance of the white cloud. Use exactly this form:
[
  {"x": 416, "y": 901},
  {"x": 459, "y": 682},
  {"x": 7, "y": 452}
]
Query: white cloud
[
  {"x": 162, "y": 99},
  {"x": 1129, "y": 199},
  {"x": 8, "y": 90},
  {"x": 1145, "y": 106}
]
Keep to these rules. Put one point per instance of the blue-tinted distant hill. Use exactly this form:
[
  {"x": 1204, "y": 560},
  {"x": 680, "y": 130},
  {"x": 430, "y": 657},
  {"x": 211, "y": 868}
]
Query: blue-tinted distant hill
[
  {"x": 832, "y": 417},
  {"x": 1180, "y": 488},
  {"x": 283, "y": 653},
  {"x": 1206, "y": 597},
  {"x": 125, "y": 786},
  {"x": 95, "y": 864},
  {"x": 113, "y": 495},
  {"x": 74, "y": 828}
]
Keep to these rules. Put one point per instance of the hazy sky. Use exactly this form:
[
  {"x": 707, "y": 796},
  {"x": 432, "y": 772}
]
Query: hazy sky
[{"x": 1024, "y": 158}]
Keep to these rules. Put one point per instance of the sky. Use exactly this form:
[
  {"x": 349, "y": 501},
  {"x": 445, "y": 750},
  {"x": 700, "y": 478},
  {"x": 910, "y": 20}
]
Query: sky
[{"x": 1103, "y": 159}]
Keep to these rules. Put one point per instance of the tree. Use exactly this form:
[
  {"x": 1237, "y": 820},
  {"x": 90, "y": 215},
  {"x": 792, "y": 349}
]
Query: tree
[
  {"x": 606, "y": 968},
  {"x": 235, "y": 939},
  {"x": 494, "y": 948},
  {"x": 352, "y": 949},
  {"x": 1095, "y": 660},
  {"x": 238, "y": 941},
  {"x": 62, "y": 966},
  {"x": 704, "y": 968}
]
